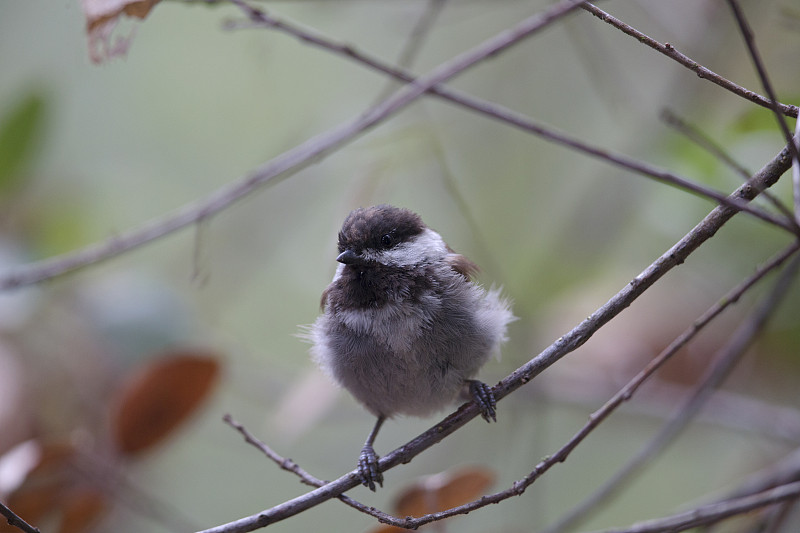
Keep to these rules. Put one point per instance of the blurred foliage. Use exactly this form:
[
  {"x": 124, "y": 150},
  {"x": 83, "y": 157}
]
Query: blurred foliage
[
  {"x": 21, "y": 133},
  {"x": 757, "y": 118}
]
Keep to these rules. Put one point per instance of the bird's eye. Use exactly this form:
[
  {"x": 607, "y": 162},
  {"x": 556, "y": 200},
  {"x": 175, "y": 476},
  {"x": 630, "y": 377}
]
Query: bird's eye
[{"x": 387, "y": 240}]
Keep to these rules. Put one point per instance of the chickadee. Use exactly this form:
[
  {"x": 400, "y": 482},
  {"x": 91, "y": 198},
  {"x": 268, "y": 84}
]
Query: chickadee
[{"x": 403, "y": 328}]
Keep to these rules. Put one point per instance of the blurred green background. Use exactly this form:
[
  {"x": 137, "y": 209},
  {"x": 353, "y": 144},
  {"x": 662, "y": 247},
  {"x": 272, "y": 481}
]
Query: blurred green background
[{"x": 89, "y": 151}]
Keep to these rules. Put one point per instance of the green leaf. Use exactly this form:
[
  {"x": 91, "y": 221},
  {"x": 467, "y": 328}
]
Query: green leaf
[{"x": 21, "y": 131}]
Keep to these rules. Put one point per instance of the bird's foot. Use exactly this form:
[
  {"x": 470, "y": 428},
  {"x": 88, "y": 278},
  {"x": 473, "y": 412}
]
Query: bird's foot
[
  {"x": 368, "y": 468},
  {"x": 483, "y": 396}
]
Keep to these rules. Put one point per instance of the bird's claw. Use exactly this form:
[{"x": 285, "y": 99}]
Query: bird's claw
[
  {"x": 483, "y": 396},
  {"x": 368, "y": 468}
]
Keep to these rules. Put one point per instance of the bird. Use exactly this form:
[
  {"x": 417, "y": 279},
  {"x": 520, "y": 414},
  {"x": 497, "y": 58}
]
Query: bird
[{"x": 404, "y": 328}]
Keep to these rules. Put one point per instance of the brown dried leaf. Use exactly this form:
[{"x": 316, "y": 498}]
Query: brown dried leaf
[
  {"x": 155, "y": 401},
  {"x": 44, "y": 487},
  {"x": 56, "y": 490},
  {"x": 443, "y": 491},
  {"x": 383, "y": 528},
  {"x": 99, "y": 12},
  {"x": 31, "y": 504},
  {"x": 101, "y": 18},
  {"x": 82, "y": 508},
  {"x": 54, "y": 457}
]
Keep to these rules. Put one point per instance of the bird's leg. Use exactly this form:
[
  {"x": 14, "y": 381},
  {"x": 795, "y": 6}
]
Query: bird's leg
[
  {"x": 368, "y": 460},
  {"x": 483, "y": 396}
]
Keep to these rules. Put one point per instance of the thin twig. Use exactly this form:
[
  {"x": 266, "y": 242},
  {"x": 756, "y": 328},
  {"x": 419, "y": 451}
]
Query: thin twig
[
  {"x": 415, "y": 40},
  {"x": 750, "y": 41},
  {"x": 291, "y": 466},
  {"x": 282, "y": 462},
  {"x": 289, "y": 162},
  {"x": 694, "y": 134},
  {"x": 569, "y": 342},
  {"x": 15, "y": 521},
  {"x": 701, "y": 71},
  {"x": 420, "y": 33},
  {"x": 714, "y": 512}
]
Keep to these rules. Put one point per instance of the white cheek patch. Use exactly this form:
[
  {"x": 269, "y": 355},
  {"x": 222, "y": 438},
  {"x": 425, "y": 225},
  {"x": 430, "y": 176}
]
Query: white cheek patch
[{"x": 425, "y": 247}]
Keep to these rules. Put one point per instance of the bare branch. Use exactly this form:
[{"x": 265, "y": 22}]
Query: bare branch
[
  {"x": 420, "y": 32},
  {"x": 282, "y": 462},
  {"x": 701, "y": 71},
  {"x": 15, "y": 521},
  {"x": 714, "y": 512}
]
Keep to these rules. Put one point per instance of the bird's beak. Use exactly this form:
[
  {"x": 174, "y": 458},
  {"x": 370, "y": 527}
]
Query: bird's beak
[{"x": 349, "y": 257}]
